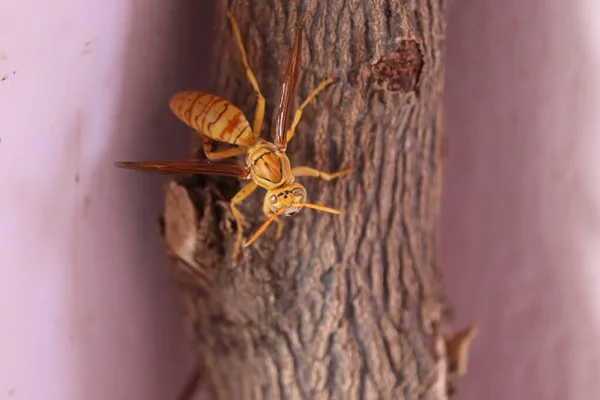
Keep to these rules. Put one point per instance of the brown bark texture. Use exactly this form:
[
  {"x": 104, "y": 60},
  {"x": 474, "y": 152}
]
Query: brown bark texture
[{"x": 342, "y": 307}]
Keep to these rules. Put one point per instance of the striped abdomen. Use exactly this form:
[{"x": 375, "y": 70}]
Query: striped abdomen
[{"x": 212, "y": 116}]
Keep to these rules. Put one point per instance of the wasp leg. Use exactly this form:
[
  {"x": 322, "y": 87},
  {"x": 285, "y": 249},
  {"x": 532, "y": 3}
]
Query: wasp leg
[
  {"x": 298, "y": 113},
  {"x": 259, "y": 113},
  {"x": 308, "y": 171},
  {"x": 237, "y": 199},
  {"x": 221, "y": 154},
  {"x": 279, "y": 222}
]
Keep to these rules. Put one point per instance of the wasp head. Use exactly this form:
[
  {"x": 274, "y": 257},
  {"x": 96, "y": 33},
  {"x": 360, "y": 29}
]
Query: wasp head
[{"x": 289, "y": 197}]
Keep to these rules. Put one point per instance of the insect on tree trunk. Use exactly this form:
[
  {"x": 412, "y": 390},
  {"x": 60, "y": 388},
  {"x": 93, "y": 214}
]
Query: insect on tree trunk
[{"x": 345, "y": 306}]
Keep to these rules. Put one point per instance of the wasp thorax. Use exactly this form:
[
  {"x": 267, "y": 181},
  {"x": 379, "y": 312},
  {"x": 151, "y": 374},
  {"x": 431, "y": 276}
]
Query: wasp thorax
[
  {"x": 270, "y": 167},
  {"x": 284, "y": 197}
]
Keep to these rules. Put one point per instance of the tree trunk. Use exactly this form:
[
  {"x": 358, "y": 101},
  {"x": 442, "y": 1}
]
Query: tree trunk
[{"x": 342, "y": 306}]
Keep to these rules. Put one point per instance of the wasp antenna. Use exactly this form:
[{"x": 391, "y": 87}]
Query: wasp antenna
[
  {"x": 264, "y": 226},
  {"x": 321, "y": 208}
]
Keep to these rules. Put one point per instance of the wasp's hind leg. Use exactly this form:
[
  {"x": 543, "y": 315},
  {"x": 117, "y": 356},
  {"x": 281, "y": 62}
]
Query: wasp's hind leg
[
  {"x": 221, "y": 154},
  {"x": 260, "y": 104}
]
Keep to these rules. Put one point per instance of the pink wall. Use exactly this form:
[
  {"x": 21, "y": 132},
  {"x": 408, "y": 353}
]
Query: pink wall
[
  {"x": 87, "y": 310},
  {"x": 520, "y": 229}
]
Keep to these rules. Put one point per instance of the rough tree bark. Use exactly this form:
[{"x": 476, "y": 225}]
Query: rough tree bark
[{"x": 343, "y": 306}]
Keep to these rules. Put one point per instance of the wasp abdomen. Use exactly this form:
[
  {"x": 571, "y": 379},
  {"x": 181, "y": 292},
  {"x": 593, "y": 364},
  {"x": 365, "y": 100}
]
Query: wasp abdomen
[{"x": 212, "y": 116}]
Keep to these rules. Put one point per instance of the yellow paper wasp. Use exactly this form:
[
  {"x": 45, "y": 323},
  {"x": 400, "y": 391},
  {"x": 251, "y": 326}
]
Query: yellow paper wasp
[{"x": 267, "y": 164}]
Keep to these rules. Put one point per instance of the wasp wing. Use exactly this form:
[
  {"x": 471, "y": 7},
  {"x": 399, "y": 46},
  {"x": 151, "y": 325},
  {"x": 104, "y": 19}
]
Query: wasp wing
[
  {"x": 288, "y": 87},
  {"x": 193, "y": 167}
]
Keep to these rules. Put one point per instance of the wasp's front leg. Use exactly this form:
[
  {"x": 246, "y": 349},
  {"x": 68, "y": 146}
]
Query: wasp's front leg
[
  {"x": 268, "y": 213},
  {"x": 237, "y": 199}
]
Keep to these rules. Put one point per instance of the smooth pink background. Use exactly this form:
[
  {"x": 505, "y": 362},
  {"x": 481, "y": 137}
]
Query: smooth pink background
[
  {"x": 87, "y": 310},
  {"x": 520, "y": 237}
]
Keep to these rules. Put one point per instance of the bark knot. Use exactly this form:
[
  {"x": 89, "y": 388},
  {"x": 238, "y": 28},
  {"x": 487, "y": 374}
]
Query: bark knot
[{"x": 401, "y": 68}]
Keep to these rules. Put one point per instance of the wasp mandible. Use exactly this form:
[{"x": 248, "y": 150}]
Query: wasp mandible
[{"x": 267, "y": 164}]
